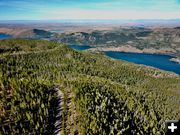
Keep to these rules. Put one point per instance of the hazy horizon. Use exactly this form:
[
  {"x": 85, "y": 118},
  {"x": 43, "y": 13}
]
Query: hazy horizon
[{"x": 166, "y": 21}]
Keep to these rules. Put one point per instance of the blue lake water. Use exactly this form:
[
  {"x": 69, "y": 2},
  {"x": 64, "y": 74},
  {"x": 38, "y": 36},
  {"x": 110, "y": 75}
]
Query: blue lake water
[
  {"x": 4, "y": 36},
  {"x": 80, "y": 47},
  {"x": 155, "y": 60}
]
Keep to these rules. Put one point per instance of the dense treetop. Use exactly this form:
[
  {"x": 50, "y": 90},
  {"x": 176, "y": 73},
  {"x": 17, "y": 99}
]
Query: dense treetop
[{"x": 90, "y": 93}]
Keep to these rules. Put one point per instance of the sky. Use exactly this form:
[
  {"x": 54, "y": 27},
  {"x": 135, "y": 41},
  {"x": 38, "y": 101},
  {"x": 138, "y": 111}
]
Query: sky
[{"x": 89, "y": 9}]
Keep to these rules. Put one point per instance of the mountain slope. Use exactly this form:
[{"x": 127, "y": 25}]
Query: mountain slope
[
  {"x": 99, "y": 95},
  {"x": 158, "y": 40},
  {"x": 26, "y": 33}
]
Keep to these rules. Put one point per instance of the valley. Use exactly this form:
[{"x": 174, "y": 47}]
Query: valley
[
  {"x": 95, "y": 38},
  {"x": 147, "y": 39}
]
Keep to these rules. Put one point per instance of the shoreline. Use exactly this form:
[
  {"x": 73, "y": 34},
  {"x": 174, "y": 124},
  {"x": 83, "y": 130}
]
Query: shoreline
[
  {"x": 117, "y": 49},
  {"x": 130, "y": 49},
  {"x": 177, "y": 60}
]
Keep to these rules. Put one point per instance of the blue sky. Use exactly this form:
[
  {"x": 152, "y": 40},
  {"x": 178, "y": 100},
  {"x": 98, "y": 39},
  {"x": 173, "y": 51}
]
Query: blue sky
[{"x": 88, "y": 9}]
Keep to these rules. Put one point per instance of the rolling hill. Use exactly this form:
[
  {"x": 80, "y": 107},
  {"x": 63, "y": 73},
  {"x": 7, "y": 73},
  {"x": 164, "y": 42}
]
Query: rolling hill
[
  {"x": 26, "y": 33},
  {"x": 48, "y": 88},
  {"x": 134, "y": 39}
]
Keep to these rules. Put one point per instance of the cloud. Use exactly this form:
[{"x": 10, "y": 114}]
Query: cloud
[
  {"x": 99, "y": 14},
  {"x": 90, "y": 9}
]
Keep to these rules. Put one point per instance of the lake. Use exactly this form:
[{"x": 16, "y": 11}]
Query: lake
[
  {"x": 4, "y": 36},
  {"x": 155, "y": 60},
  {"x": 80, "y": 47}
]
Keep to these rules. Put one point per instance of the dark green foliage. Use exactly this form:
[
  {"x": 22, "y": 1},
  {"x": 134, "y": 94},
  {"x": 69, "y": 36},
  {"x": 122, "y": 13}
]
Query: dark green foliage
[
  {"x": 101, "y": 95},
  {"x": 27, "y": 106},
  {"x": 42, "y": 33},
  {"x": 11, "y": 46},
  {"x": 143, "y": 34},
  {"x": 97, "y": 37}
]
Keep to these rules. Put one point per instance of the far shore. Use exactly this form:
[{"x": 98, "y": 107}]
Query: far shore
[
  {"x": 128, "y": 48},
  {"x": 117, "y": 49}
]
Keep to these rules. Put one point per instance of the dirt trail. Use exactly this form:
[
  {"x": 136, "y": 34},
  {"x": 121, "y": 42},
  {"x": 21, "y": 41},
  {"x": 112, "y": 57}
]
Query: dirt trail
[
  {"x": 72, "y": 120},
  {"x": 58, "y": 123},
  {"x": 67, "y": 118}
]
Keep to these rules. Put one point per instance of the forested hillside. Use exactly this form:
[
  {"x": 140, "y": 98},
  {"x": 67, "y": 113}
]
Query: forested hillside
[
  {"x": 147, "y": 40},
  {"x": 47, "y": 88}
]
